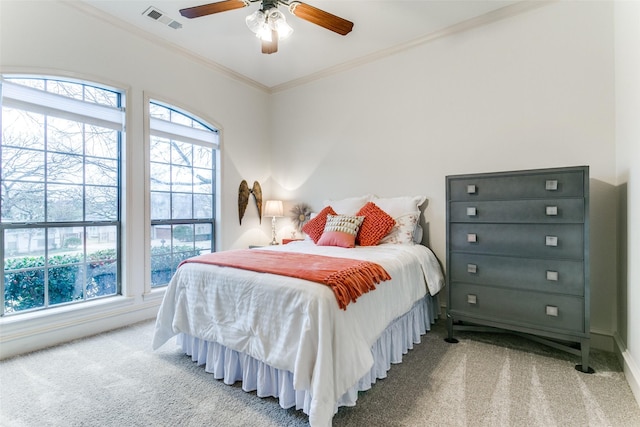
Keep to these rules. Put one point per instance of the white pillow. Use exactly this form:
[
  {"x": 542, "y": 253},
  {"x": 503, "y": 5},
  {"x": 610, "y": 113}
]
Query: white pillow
[
  {"x": 406, "y": 212},
  {"x": 348, "y": 206},
  {"x": 417, "y": 234},
  {"x": 397, "y": 206}
]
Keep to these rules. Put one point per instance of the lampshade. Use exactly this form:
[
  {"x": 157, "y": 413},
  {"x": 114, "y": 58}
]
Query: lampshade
[
  {"x": 278, "y": 22},
  {"x": 273, "y": 208},
  {"x": 256, "y": 21},
  {"x": 263, "y": 23}
]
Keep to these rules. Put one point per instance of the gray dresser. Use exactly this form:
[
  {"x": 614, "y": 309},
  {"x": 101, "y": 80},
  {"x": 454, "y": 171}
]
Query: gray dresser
[{"x": 518, "y": 255}]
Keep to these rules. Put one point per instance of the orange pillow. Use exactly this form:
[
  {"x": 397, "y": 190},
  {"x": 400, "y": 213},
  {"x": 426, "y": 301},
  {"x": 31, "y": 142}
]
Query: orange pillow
[
  {"x": 377, "y": 224},
  {"x": 315, "y": 227}
]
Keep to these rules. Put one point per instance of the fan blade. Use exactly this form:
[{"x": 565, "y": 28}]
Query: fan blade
[
  {"x": 271, "y": 46},
  {"x": 320, "y": 17},
  {"x": 208, "y": 9}
]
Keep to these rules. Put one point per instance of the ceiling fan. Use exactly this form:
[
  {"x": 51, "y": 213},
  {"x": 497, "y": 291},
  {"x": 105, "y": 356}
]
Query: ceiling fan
[{"x": 268, "y": 23}]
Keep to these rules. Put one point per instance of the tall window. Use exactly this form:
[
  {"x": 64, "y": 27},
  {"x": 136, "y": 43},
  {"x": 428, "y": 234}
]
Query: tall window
[
  {"x": 183, "y": 162},
  {"x": 59, "y": 188}
]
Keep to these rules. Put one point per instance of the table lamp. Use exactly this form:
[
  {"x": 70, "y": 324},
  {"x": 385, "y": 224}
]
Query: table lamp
[{"x": 273, "y": 209}]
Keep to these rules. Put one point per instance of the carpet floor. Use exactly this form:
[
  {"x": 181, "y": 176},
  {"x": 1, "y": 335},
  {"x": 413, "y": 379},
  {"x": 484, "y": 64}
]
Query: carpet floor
[{"x": 115, "y": 379}]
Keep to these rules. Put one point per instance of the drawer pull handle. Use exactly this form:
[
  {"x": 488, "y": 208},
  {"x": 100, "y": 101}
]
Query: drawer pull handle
[
  {"x": 472, "y": 212},
  {"x": 551, "y": 185},
  {"x": 472, "y": 238},
  {"x": 472, "y": 268},
  {"x": 552, "y": 310},
  {"x": 552, "y": 276},
  {"x": 471, "y": 189},
  {"x": 551, "y": 241},
  {"x": 551, "y": 210},
  {"x": 472, "y": 299}
]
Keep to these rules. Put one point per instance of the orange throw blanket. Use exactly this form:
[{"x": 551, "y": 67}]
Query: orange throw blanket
[{"x": 348, "y": 278}]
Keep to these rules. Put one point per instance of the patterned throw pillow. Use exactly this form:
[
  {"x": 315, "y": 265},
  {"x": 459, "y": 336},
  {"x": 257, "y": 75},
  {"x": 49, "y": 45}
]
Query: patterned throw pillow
[
  {"x": 341, "y": 230},
  {"x": 315, "y": 226},
  {"x": 377, "y": 224},
  {"x": 402, "y": 232}
]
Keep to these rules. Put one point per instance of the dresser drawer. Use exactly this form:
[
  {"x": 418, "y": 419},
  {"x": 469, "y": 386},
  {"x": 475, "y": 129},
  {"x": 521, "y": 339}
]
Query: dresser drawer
[
  {"x": 516, "y": 186},
  {"x": 564, "y": 241},
  {"x": 521, "y": 308},
  {"x": 519, "y": 211},
  {"x": 545, "y": 275}
]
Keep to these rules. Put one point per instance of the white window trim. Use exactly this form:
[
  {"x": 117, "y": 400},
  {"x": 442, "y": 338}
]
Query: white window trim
[
  {"x": 153, "y": 294},
  {"x": 164, "y": 129},
  {"x": 39, "y": 101}
]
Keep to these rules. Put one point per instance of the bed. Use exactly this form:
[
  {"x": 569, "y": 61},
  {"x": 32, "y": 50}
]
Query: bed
[{"x": 288, "y": 338}]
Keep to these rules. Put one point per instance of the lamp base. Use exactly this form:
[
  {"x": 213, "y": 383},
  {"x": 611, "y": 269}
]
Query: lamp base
[{"x": 273, "y": 231}]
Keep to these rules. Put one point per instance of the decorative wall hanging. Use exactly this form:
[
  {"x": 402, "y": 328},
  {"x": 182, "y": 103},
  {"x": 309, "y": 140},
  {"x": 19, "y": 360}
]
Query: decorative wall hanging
[
  {"x": 243, "y": 198},
  {"x": 300, "y": 214}
]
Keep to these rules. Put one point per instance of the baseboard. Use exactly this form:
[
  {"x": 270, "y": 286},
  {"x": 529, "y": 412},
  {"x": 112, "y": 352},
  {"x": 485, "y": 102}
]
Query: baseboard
[
  {"x": 35, "y": 331},
  {"x": 629, "y": 366}
]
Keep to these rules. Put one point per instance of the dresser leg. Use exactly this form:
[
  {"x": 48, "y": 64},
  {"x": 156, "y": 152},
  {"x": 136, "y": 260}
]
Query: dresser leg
[
  {"x": 450, "y": 338},
  {"x": 584, "y": 350}
]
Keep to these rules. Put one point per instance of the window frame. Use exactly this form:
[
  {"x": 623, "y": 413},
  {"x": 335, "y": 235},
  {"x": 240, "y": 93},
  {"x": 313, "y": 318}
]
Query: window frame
[
  {"x": 50, "y": 104},
  {"x": 157, "y": 291}
]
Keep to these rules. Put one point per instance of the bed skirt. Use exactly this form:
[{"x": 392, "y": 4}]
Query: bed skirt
[{"x": 231, "y": 366}]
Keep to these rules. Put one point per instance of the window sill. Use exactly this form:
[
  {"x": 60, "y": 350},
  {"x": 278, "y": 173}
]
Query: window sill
[
  {"x": 13, "y": 323},
  {"x": 39, "y": 329},
  {"x": 156, "y": 294}
]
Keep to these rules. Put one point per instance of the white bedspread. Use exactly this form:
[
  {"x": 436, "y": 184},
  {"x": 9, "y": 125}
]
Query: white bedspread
[{"x": 296, "y": 325}]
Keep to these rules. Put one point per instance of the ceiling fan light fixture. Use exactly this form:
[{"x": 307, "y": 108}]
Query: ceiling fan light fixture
[
  {"x": 268, "y": 23},
  {"x": 264, "y": 33},
  {"x": 278, "y": 22},
  {"x": 256, "y": 21},
  {"x": 263, "y": 24}
]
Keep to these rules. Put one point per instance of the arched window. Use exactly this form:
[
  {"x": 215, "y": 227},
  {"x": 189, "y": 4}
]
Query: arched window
[
  {"x": 60, "y": 192},
  {"x": 183, "y": 158}
]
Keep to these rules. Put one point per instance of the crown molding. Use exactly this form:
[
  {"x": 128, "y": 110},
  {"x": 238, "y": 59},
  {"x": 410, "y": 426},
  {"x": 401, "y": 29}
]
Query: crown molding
[
  {"x": 469, "y": 24},
  {"x": 478, "y": 21},
  {"x": 105, "y": 17}
]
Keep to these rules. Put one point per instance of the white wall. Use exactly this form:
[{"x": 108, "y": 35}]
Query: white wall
[
  {"x": 531, "y": 91},
  {"x": 627, "y": 45},
  {"x": 535, "y": 90},
  {"x": 57, "y": 38}
]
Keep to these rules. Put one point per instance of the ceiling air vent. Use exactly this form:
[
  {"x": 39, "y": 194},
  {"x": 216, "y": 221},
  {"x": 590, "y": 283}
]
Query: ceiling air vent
[{"x": 157, "y": 15}]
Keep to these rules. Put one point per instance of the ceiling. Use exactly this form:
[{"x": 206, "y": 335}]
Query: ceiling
[{"x": 224, "y": 41}]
